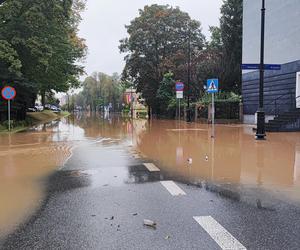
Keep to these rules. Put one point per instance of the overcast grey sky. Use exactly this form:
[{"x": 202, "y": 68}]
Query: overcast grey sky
[{"x": 104, "y": 20}]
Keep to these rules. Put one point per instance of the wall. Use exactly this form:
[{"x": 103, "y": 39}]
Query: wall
[
  {"x": 280, "y": 85},
  {"x": 282, "y": 31},
  {"x": 282, "y": 46}
]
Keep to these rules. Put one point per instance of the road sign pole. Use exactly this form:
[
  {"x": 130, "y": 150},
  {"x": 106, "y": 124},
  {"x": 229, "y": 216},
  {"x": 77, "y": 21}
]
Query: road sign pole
[
  {"x": 8, "y": 110},
  {"x": 260, "y": 132},
  {"x": 213, "y": 115},
  {"x": 179, "y": 110}
]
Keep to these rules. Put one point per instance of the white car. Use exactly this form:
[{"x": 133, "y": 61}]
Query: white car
[{"x": 39, "y": 108}]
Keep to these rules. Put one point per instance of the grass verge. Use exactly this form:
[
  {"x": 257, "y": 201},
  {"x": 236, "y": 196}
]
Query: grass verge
[{"x": 33, "y": 118}]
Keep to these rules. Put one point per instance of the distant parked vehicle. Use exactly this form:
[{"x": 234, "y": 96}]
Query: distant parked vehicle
[
  {"x": 39, "y": 108},
  {"x": 55, "y": 109},
  {"x": 52, "y": 108},
  {"x": 32, "y": 109},
  {"x": 48, "y": 106}
]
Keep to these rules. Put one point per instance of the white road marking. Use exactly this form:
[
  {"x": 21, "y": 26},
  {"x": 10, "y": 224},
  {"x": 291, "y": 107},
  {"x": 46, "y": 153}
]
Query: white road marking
[
  {"x": 220, "y": 235},
  {"x": 151, "y": 167},
  {"x": 173, "y": 188}
]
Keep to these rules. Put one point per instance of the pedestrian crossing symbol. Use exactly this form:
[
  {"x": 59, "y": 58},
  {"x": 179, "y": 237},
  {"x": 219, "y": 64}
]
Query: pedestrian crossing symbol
[{"x": 212, "y": 85}]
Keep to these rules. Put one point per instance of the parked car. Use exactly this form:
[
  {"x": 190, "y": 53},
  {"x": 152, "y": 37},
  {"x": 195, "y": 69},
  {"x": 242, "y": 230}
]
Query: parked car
[
  {"x": 39, "y": 108},
  {"x": 31, "y": 109},
  {"x": 55, "y": 109},
  {"x": 48, "y": 106}
]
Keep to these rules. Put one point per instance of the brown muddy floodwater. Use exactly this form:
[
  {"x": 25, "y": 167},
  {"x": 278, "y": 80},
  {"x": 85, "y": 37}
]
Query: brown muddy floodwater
[{"x": 232, "y": 158}]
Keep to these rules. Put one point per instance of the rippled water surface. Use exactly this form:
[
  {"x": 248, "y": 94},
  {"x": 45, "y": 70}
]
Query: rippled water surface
[{"x": 182, "y": 151}]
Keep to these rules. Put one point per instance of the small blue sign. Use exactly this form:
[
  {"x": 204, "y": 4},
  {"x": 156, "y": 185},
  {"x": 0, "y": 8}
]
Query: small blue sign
[
  {"x": 272, "y": 67},
  {"x": 250, "y": 66},
  {"x": 179, "y": 86},
  {"x": 212, "y": 85},
  {"x": 253, "y": 66}
]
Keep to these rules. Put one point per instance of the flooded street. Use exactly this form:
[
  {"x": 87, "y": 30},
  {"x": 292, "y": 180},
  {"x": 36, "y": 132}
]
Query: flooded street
[
  {"x": 233, "y": 157},
  {"x": 105, "y": 151}
]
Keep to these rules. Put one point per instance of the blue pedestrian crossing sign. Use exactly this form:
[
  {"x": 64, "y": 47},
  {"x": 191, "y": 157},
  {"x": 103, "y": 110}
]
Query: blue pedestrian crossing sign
[{"x": 212, "y": 85}]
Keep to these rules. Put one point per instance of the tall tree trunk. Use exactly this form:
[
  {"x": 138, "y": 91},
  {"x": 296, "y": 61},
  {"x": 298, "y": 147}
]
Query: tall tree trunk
[
  {"x": 43, "y": 95},
  {"x": 149, "y": 112}
]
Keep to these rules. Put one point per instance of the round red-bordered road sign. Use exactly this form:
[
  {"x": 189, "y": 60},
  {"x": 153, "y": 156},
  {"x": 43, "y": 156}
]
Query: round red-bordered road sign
[{"x": 8, "y": 93}]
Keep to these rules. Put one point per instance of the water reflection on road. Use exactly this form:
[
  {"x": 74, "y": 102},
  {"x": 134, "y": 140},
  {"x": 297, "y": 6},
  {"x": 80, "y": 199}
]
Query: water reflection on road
[{"x": 182, "y": 151}]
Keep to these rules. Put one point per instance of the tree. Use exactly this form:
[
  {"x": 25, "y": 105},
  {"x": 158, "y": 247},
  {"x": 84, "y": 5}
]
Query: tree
[
  {"x": 100, "y": 89},
  {"x": 231, "y": 34},
  {"x": 166, "y": 93},
  {"x": 158, "y": 43},
  {"x": 40, "y": 47}
]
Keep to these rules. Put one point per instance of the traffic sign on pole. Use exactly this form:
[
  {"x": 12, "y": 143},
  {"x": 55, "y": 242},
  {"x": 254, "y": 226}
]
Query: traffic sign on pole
[
  {"x": 179, "y": 94},
  {"x": 255, "y": 66},
  {"x": 212, "y": 86},
  {"x": 8, "y": 93},
  {"x": 179, "y": 86},
  {"x": 272, "y": 67}
]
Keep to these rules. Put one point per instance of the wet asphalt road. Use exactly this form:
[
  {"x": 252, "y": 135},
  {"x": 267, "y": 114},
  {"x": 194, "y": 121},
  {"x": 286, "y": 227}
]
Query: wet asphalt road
[{"x": 100, "y": 198}]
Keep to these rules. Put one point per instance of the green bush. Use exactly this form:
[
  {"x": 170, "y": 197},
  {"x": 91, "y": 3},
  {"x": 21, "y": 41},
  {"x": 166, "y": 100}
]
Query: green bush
[{"x": 221, "y": 97}]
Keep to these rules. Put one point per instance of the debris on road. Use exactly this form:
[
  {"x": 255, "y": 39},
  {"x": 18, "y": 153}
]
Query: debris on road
[
  {"x": 190, "y": 160},
  {"x": 111, "y": 218},
  {"x": 258, "y": 203},
  {"x": 206, "y": 158},
  {"x": 167, "y": 237},
  {"x": 150, "y": 223}
]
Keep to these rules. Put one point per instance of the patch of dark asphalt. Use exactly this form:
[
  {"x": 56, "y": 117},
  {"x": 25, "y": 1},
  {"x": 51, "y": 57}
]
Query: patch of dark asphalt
[{"x": 57, "y": 182}]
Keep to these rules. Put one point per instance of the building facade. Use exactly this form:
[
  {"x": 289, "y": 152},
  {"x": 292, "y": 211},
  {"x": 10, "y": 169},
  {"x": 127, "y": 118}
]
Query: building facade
[{"x": 282, "y": 46}]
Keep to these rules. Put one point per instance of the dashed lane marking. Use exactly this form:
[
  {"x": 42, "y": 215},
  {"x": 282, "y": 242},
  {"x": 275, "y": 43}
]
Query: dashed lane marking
[
  {"x": 173, "y": 188},
  {"x": 151, "y": 167},
  {"x": 220, "y": 235}
]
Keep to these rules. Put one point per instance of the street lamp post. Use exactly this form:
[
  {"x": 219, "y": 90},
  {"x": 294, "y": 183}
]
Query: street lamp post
[
  {"x": 260, "y": 132},
  {"x": 131, "y": 102},
  {"x": 188, "y": 114}
]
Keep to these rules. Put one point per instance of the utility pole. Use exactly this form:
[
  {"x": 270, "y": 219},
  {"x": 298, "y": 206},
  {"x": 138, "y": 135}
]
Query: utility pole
[
  {"x": 260, "y": 132},
  {"x": 188, "y": 114},
  {"x": 131, "y": 101}
]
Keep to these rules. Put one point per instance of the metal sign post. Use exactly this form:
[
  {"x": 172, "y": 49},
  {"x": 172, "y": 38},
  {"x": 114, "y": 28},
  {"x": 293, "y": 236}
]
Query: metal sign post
[
  {"x": 8, "y": 93},
  {"x": 179, "y": 86},
  {"x": 8, "y": 110},
  {"x": 179, "y": 110},
  {"x": 212, "y": 88},
  {"x": 213, "y": 115}
]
